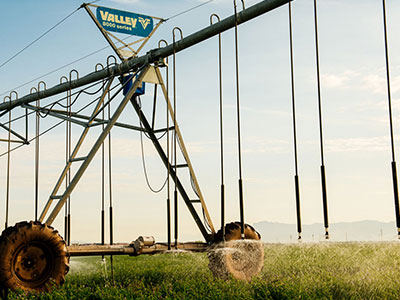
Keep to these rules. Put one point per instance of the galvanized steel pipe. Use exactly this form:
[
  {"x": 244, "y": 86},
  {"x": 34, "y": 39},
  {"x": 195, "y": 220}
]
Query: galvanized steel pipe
[{"x": 153, "y": 55}]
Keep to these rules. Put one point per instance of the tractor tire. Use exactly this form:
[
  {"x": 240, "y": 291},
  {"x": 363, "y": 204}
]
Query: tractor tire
[
  {"x": 233, "y": 232},
  {"x": 240, "y": 259},
  {"x": 33, "y": 257}
]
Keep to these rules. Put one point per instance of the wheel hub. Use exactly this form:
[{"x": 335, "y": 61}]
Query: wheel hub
[{"x": 32, "y": 263}]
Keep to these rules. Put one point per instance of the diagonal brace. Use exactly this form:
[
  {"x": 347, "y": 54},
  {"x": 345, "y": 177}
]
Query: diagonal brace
[{"x": 95, "y": 148}]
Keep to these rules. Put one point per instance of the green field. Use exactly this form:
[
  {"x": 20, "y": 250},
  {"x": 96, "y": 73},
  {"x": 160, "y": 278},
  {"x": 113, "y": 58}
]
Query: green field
[{"x": 298, "y": 271}]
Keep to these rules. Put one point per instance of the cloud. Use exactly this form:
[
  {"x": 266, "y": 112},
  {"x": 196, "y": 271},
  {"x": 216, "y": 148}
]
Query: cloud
[
  {"x": 218, "y": 1},
  {"x": 261, "y": 111},
  {"x": 371, "y": 80},
  {"x": 126, "y": 1},
  {"x": 127, "y": 148},
  {"x": 264, "y": 145},
  {"x": 378, "y": 83},
  {"x": 338, "y": 80},
  {"x": 202, "y": 147},
  {"x": 257, "y": 180},
  {"x": 371, "y": 144},
  {"x": 380, "y": 106}
]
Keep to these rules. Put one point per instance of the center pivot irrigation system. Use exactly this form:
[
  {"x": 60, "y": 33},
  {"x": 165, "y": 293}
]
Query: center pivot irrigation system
[{"x": 33, "y": 255}]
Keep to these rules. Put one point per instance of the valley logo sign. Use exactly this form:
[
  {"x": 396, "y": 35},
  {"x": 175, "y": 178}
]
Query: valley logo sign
[{"x": 124, "y": 22}]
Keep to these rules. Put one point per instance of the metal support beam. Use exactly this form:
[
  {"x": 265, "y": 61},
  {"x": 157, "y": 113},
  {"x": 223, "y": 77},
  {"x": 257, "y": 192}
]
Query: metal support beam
[
  {"x": 125, "y": 249},
  {"x": 95, "y": 147},
  {"x": 185, "y": 153},
  {"x": 103, "y": 32},
  {"x": 16, "y": 134},
  {"x": 54, "y": 114},
  {"x": 100, "y": 121},
  {"x": 153, "y": 55},
  {"x": 13, "y": 141},
  {"x": 167, "y": 164}
]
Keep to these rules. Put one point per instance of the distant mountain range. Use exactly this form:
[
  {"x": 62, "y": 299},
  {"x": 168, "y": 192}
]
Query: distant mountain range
[{"x": 346, "y": 231}]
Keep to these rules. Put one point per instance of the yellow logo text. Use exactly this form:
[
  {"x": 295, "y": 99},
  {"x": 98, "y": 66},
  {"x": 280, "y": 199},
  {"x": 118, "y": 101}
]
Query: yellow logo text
[{"x": 106, "y": 16}]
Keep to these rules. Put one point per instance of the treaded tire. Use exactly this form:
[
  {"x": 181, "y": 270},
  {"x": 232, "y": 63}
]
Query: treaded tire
[
  {"x": 233, "y": 232},
  {"x": 240, "y": 259},
  {"x": 33, "y": 257}
]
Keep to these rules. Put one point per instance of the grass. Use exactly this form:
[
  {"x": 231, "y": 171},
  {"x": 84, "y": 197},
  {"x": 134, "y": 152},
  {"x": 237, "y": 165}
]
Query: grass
[{"x": 296, "y": 271}]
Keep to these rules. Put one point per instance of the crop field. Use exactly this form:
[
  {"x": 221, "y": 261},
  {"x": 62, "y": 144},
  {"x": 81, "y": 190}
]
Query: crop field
[{"x": 291, "y": 271}]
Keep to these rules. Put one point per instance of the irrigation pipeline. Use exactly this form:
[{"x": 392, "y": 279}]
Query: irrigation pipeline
[
  {"x": 153, "y": 55},
  {"x": 393, "y": 164},
  {"x": 51, "y": 105},
  {"x": 175, "y": 139},
  {"x": 57, "y": 102},
  {"x": 221, "y": 130},
  {"x": 323, "y": 177},
  {"x": 8, "y": 171},
  {"x": 103, "y": 192},
  {"x": 241, "y": 201},
  {"x": 37, "y": 157},
  {"x": 111, "y": 216},
  {"x": 296, "y": 176},
  {"x": 168, "y": 153}
]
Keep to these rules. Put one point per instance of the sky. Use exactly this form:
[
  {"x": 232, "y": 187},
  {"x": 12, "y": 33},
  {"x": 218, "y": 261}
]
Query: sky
[{"x": 354, "y": 109}]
